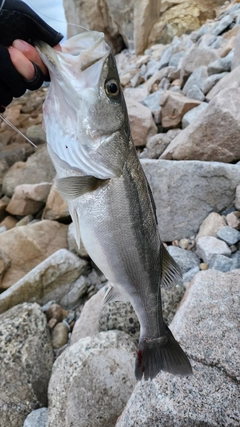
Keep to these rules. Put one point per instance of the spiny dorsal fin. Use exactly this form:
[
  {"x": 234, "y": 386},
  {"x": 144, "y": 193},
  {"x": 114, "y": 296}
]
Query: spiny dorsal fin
[
  {"x": 73, "y": 187},
  {"x": 112, "y": 295},
  {"x": 170, "y": 270}
]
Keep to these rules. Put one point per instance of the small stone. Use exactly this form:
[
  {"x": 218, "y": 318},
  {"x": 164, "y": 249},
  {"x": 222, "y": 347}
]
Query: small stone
[
  {"x": 152, "y": 101},
  {"x": 183, "y": 243},
  {"x": 228, "y": 235},
  {"x": 233, "y": 220},
  {"x": 208, "y": 246},
  {"x": 24, "y": 221},
  {"x": 195, "y": 93},
  {"x": 221, "y": 263},
  {"x": 55, "y": 311},
  {"x": 9, "y": 222},
  {"x": 59, "y": 335},
  {"x": 37, "y": 418},
  {"x": 233, "y": 248},
  {"x": 185, "y": 259},
  {"x": 52, "y": 323},
  {"x": 203, "y": 266},
  {"x": 211, "y": 225},
  {"x": 189, "y": 275}
]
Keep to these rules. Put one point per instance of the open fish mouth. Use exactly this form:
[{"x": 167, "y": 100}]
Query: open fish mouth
[{"x": 77, "y": 54}]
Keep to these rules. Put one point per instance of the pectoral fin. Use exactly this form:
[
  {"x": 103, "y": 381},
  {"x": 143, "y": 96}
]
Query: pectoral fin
[
  {"x": 73, "y": 187},
  {"x": 112, "y": 295},
  {"x": 170, "y": 270}
]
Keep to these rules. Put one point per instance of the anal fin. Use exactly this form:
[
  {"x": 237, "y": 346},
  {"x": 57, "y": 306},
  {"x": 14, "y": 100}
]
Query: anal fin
[
  {"x": 111, "y": 295},
  {"x": 171, "y": 272}
]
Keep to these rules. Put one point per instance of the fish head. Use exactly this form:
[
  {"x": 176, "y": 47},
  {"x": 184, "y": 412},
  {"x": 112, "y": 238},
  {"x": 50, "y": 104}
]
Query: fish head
[{"x": 85, "y": 96}]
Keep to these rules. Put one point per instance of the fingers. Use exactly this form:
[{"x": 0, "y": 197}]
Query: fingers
[{"x": 22, "y": 54}]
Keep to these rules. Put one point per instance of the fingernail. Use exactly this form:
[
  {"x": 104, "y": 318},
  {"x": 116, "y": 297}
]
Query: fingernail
[{"x": 21, "y": 45}]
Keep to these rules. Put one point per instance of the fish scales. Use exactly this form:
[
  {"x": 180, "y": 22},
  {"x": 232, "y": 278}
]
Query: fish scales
[{"x": 109, "y": 198}]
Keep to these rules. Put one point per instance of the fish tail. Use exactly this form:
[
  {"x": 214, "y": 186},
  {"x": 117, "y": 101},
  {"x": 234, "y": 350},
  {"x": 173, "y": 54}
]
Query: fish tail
[{"x": 161, "y": 354}]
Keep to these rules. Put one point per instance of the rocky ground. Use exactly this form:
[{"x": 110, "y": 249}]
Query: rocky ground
[{"x": 59, "y": 348}]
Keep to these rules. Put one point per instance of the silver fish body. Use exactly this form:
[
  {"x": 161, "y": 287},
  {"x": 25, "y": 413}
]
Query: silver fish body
[{"x": 109, "y": 198}]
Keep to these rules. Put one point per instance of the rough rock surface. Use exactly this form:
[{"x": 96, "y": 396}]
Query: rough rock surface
[
  {"x": 208, "y": 246},
  {"x": 23, "y": 248},
  {"x": 180, "y": 212},
  {"x": 37, "y": 418},
  {"x": 210, "y": 397},
  {"x": 211, "y": 225},
  {"x": 97, "y": 378},
  {"x": 56, "y": 207},
  {"x": 28, "y": 198},
  {"x": 174, "y": 106},
  {"x": 49, "y": 280},
  {"x": 141, "y": 122},
  {"x": 26, "y": 357},
  {"x": 208, "y": 138}
]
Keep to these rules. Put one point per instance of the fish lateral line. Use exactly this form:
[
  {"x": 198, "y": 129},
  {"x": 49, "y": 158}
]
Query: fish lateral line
[{"x": 16, "y": 129}]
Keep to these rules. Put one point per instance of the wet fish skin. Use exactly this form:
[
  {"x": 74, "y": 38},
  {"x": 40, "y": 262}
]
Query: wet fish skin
[{"x": 110, "y": 201}]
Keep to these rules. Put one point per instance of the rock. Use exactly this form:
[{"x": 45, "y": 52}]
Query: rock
[
  {"x": 141, "y": 122},
  {"x": 189, "y": 275},
  {"x": 197, "y": 78},
  {"x": 29, "y": 245},
  {"x": 174, "y": 106},
  {"x": 55, "y": 311},
  {"x": 211, "y": 225},
  {"x": 152, "y": 101},
  {"x": 36, "y": 134},
  {"x": 50, "y": 280},
  {"x": 157, "y": 144},
  {"x": 233, "y": 220},
  {"x": 228, "y": 235},
  {"x": 38, "y": 168},
  {"x": 137, "y": 94},
  {"x": 206, "y": 397},
  {"x": 221, "y": 263},
  {"x": 221, "y": 65},
  {"x": 195, "y": 93},
  {"x": 175, "y": 60},
  {"x": 72, "y": 244},
  {"x": 211, "y": 81},
  {"x": 214, "y": 135},
  {"x": 9, "y": 222},
  {"x": 185, "y": 259},
  {"x": 59, "y": 335},
  {"x": 236, "y": 50},
  {"x": 231, "y": 81},
  {"x": 88, "y": 322},
  {"x": 37, "y": 418},
  {"x": 101, "y": 367},
  {"x": 222, "y": 25},
  {"x": 237, "y": 198},
  {"x": 180, "y": 213},
  {"x": 56, "y": 207},
  {"x": 28, "y": 198},
  {"x": 192, "y": 115},
  {"x": 26, "y": 357},
  {"x": 196, "y": 57},
  {"x": 78, "y": 289},
  {"x": 208, "y": 246},
  {"x": 120, "y": 316}
]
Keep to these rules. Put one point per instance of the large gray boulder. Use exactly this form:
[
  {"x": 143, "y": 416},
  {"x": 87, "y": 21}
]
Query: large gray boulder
[
  {"x": 92, "y": 381},
  {"x": 185, "y": 192},
  {"x": 207, "y": 326},
  {"x": 26, "y": 359}
]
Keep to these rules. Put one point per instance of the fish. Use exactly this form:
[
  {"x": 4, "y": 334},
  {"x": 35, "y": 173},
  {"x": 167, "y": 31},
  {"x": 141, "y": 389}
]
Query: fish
[{"x": 109, "y": 198}]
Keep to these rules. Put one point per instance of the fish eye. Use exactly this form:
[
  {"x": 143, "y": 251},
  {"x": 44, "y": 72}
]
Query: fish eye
[{"x": 112, "y": 88}]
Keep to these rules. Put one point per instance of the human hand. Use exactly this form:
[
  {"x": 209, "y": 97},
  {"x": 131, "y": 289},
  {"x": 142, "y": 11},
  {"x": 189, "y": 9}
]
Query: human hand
[{"x": 21, "y": 65}]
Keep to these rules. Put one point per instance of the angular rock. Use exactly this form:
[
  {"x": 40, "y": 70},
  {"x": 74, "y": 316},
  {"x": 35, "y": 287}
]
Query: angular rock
[
  {"x": 78, "y": 289},
  {"x": 29, "y": 245},
  {"x": 26, "y": 357},
  {"x": 180, "y": 213},
  {"x": 222, "y": 25},
  {"x": 174, "y": 106},
  {"x": 56, "y": 207},
  {"x": 159, "y": 142},
  {"x": 195, "y": 93},
  {"x": 197, "y": 78},
  {"x": 221, "y": 263},
  {"x": 48, "y": 281},
  {"x": 152, "y": 101},
  {"x": 206, "y": 325},
  {"x": 228, "y": 235},
  {"x": 208, "y": 246},
  {"x": 214, "y": 135},
  {"x": 141, "y": 122},
  {"x": 101, "y": 367},
  {"x": 28, "y": 198},
  {"x": 37, "y": 418},
  {"x": 233, "y": 220},
  {"x": 185, "y": 259},
  {"x": 187, "y": 277},
  {"x": 211, "y": 225},
  {"x": 88, "y": 322},
  {"x": 196, "y": 57},
  {"x": 231, "y": 81},
  {"x": 192, "y": 115},
  {"x": 137, "y": 94},
  {"x": 221, "y": 65},
  {"x": 212, "y": 81}
]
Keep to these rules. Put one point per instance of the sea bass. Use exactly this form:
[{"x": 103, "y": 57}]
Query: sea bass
[{"x": 110, "y": 201}]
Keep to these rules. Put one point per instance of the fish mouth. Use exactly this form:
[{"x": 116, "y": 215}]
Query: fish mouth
[{"x": 79, "y": 52}]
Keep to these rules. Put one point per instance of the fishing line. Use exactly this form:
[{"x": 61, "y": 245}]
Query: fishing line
[
  {"x": 2, "y": 4},
  {"x": 57, "y": 20},
  {"x": 16, "y": 129}
]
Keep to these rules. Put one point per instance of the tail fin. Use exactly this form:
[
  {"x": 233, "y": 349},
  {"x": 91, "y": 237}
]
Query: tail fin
[{"x": 161, "y": 354}]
